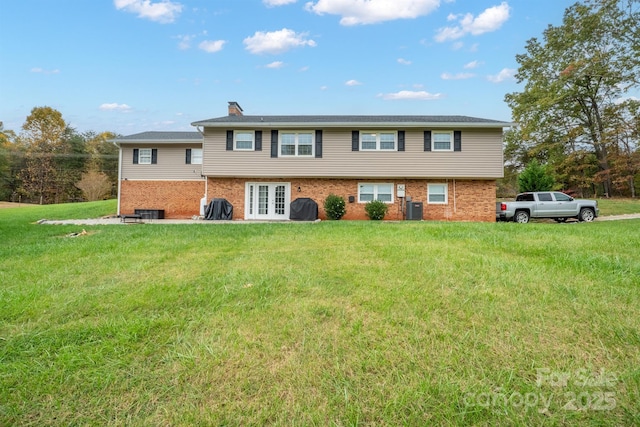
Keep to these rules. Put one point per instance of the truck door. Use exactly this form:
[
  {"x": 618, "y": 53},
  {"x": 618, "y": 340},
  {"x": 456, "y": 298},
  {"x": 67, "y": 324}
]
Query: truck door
[
  {"x": 565, "y": 205},
  {"x": 545, "y": 206}
]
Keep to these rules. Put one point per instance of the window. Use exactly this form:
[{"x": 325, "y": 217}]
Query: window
[
  {"x": 442, "y": 141},
  {"x": 243, "y": 140},
  {"x": 377, "y": 141},
  {"x": 368, "y": 192},
  {"x": 561, "y": 197},
  {"x": 545, "y": 197},
  {"x": 296, "y": 144},
  {"x": 144, "y": 156},
  {"x": 194, "y": 156},
  {"x": 437, "y": 194}
]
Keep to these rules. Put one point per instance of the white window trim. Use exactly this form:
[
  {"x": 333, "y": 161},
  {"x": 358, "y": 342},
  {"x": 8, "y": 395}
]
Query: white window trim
[
  {"x": 433, "y": 140},
  {"x": 378, "y": 132},
  {"x": 296, "y": 144},
  {"x": 235, "y": 140},
  {"x": 446, "y": 193},
  {"x": 140, "y": 156},
  {"x": 375, "y": 191}
]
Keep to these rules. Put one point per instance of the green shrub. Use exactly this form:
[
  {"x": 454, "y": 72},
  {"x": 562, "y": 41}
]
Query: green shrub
[
  {"x": 335, "y": 207},
  {"x": 376, "y": 210}
]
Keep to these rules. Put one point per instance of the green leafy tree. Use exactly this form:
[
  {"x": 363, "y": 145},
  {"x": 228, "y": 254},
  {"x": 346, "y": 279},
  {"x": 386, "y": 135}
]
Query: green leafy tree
[
  {"x": 42, "y": 136},
  {"x": 535, "y": 177},
  {"x": 574, "y": 80}
]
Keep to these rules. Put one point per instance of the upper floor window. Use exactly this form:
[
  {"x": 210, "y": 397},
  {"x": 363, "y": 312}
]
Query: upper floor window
[
  {"x": 296, "y": 144},
  {"x": 194, "y": 156},
  {"x": 368, "y": 192},
  {"x": 442, "y": 141},
  {"x": 377, "y": 141},
  {"x": 243, "y": 140},
  {"x": 145, "y": 156}
]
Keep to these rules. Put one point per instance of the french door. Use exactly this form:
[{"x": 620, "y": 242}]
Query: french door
[{"x": 265, "y": 200}]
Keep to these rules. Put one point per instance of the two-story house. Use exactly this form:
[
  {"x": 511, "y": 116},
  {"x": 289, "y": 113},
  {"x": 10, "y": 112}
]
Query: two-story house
[
  {"x": 161, "y": 171},
  {"x": 260, "y": 164}
]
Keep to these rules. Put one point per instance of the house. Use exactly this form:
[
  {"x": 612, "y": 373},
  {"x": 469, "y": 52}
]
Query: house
[
  {"x": 445, "y": 166},
  {"x": 161, "y": 171}
]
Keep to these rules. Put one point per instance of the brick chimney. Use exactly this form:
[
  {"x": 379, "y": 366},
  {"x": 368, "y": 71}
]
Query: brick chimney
[{"x": 234, "y": 109}]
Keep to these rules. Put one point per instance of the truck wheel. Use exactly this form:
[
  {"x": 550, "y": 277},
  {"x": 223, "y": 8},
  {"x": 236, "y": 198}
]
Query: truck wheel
[
  {"x": 522, "y": 217},
  {"x": 586, "y": 214}
]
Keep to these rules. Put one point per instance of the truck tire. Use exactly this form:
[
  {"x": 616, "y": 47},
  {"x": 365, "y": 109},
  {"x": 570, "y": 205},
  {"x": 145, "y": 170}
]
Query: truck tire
[
  {"x": 521, "y": 216},
  {"x": 586, "y": 214}
]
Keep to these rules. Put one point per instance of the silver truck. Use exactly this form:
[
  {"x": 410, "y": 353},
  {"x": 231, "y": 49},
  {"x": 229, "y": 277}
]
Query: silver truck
[{"x": 546, "y": 204}]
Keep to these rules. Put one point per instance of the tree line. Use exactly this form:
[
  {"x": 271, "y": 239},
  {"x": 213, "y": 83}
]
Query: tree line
[
  {"x": 578, "y": 113},
  {"x": 50, "y": 162}
]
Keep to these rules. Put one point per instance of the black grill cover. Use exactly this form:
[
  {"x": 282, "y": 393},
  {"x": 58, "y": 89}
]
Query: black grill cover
[
  {"x": 219, "y": 209},
  {"x": 303, "y": 209}
]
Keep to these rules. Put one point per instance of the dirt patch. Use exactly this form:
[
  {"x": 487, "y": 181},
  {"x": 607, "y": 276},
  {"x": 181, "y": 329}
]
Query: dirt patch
[{"x": 5, "y": 205}]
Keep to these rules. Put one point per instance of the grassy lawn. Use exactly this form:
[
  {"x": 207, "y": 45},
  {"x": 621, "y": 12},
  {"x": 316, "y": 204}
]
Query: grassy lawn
[
  {"x": 618, "y": 206},
  {"x": 331, "y": 323}
]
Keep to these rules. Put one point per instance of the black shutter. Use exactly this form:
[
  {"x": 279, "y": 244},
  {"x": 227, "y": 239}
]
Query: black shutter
[
  {"x": 400, "y": 140},
  {"x": 187, "y": 159},
  {"x": 318, "y": 143},
  {"x": 229, "y": 140},
  {"x": 154, "y": 156},
  {"x": 274, "y": 143},
  {"x": 427, "y": 140},
  {"x": 457, "y": 140},
  {"x": 355, "y": 140},
  {"x": 135, "y": 156},
  {"x": 258, "y": 143}
]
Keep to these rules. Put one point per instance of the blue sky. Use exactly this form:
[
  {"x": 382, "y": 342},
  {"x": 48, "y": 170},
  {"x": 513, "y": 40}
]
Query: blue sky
[{"x": 129, "y": 66}]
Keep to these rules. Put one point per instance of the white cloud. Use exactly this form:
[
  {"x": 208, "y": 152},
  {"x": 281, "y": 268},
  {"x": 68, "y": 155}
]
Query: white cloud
[
  {"x": 276, "y": 42},
  {"x": 352, "y": 83},
  {"x": 361, "y": 12},
  {"x": 164, "y": 11},
  {"x": 414, "y": 95},
  {"x": 115, "y": 107},
  {"x": 458, "y": 76},
  {"x": 471, "y": 65},
  {"x": 43, "y": 71},
  {"x": 274, "y": 3},
  {"x": 275, "y": 64},
  {"x": 504, "y": 74},
  {"x": 489, "y": 20},
  {"x": 211, "y": 46},
  {"x": 404, "y": 61},
  {"x": 184, "y": 42}
]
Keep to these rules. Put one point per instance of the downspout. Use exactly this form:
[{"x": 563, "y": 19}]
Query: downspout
[
  {"x": 455, "y": 210},
  {"x": 119, "y": 175},
  {"x": 206, "y": 180}
]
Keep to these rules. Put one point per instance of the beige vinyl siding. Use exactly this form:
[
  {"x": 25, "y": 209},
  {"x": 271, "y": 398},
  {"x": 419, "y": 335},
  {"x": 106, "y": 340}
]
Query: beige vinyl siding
[
  {"x": 171, "y": 163},
  {"x": 481, "y": 157}
]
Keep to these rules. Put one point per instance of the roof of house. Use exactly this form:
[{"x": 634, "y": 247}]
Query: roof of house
[
  {"x": 338, "y": 121},
  {"x": 161, "y": 136}
]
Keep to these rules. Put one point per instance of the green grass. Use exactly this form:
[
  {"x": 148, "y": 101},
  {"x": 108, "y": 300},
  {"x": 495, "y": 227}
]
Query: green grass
[
  {"x": 332, "y": 323},
  {"x": 618, "y": 206}
]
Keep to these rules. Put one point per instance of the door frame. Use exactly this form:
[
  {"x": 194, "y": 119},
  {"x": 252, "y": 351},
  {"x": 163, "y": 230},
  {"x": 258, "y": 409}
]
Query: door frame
[{"x": 251, "y": 201}]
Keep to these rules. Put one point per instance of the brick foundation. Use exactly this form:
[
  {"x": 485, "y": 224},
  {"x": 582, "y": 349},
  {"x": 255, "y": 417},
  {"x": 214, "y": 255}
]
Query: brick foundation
[
  {"x": 468, "y": 200},
  {"x": 179, "y": 199}
]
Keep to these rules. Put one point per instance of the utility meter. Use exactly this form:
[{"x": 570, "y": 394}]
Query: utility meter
[{"x": 400, "y": 190}]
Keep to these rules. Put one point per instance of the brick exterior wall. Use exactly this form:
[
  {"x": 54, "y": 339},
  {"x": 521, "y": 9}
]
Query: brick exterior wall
[
  {"x": 468, "y": 200},
  {"x": 179, "y": 199}
]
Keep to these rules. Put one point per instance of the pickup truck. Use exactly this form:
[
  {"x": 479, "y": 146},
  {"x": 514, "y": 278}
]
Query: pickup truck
[{"x": 546, "y": 204}]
